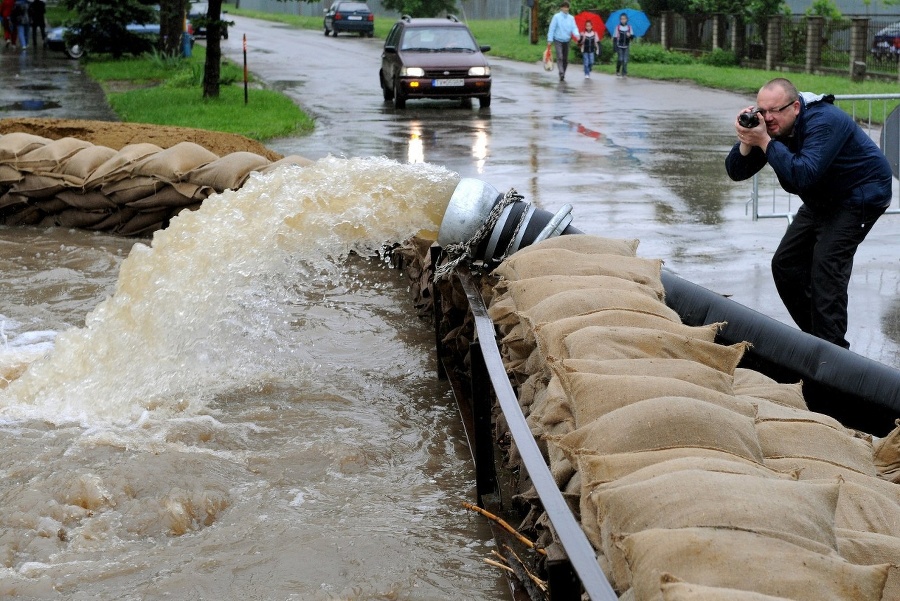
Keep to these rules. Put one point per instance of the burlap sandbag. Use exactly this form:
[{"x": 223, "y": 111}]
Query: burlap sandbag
[
  {"x": 228, "y": 172},
  {"x": 551, "y": 407},
  {"x": 790, "y": 395},
  {"x": 562, "y": 466},
  {"x": 553, "y": 261},
  {"x": 673, "y": 589},
  {"x": 549, "y": 336},
  {"x": 592, "y": 396},
  {"x": 746, "y": 561},
  {"x": 886, "y": 455},
  {"x": 866, "y": 549},
  {"x": 812, "y": 440},
  {"x": 586, "y": 244},
  {"x": 34, "y": 185},
  {"x": 621, "y": 469},
  {"x": 520, "y": 295},
  {"x": 117, "y": 167},
  {"x": 750, "y": 377},
  {"x": 174, "y": 163},
  {"x": 801, "y": 513},
  {"x": 77, "y": 218},
  {"x": 125, "y": 191},
  {"x": 865, "y": 509},
  {"x": 145, "y": 222},
  {"x": 167, "y": 196},
  {"x": 9, "y": 175},
  {"x": 50, "y": 156},
  {"x": 292, "y": 159},
  {"x": 767, "y": 410},
  {"x": 664, "y": 423},
  {"x": 681, "y": 369},
  {"x": 86, "y": 201},
  {"x": 83, "y": 163},
  {"x": 16, "y": 144},
  {"x": 601, "y": 343}
]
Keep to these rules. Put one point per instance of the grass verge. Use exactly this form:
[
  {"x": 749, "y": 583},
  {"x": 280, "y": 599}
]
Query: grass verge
[{"x": 166, "y": 91}]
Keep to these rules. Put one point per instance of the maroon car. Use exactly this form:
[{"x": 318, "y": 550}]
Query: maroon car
[{"x": 434, "y": 58}]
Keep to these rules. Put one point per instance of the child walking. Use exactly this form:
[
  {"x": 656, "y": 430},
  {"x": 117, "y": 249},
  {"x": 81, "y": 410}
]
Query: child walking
[
  {"x": 590, "y": 48},
  {"x": 622, "y": 36}
]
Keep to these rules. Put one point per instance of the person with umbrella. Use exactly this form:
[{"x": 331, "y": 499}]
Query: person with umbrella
[
  {"x": 622, "y": 36},
  {"x": 562, "y": 30}
]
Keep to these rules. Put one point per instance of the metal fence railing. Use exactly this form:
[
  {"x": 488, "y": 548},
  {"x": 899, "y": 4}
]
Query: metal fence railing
[{"x": 869, "y": 110}]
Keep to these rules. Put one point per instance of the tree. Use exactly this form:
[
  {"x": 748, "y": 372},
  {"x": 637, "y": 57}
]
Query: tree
[
  {"x": 171, "y": 26},
  {"x": 212, "y": 70},
  {"x": 99, "y": 21},
  {"x": 420, "y": 8}
]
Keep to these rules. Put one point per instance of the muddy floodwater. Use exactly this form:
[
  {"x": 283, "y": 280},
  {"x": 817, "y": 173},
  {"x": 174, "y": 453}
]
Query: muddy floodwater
[{"x": 235, "y": 410}]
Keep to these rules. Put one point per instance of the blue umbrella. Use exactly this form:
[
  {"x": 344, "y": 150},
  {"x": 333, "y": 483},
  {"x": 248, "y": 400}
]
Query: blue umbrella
[{"x": 636, "y": 18}]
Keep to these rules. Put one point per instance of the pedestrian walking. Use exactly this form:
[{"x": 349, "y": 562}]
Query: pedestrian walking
[
  {"x": 819, "y": 153},
  {"x": 590, "y": 48},
  {"x": 37, "y": 16},
  {"x": 622, "y": 36},
  {"x": 9, "y": 30},
  {"x": 563, "y": 30},
  {"x": 20, "y": 22}
]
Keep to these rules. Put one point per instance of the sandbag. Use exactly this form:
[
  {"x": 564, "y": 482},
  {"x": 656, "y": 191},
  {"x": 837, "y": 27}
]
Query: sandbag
[
  {"x": 228, "y": 172},
  {"x": 813, "y": 440},
  {"x": 790, "y": 395},
  {"x": 866, "y": 548},
  {"x": 801, "y": 513},
  {"x": 673, "y": 589},
  {"x": 585, "y": 244},
  {"x": 114, "y": 168},
  {"x": 664, "y": 423},
  {"x": 592, "y": 396},
  {"x": 611, "y": 342},
  {"x": 173, "y": 163},
  {"x": 746, "y": 561},
  {"x": 886, "y": 455},
  {"x": 681, "y": 369},
  {"x": 16, "y": 144},
  {"x": 558, "y": 261},
  {"x": 50, "y": 156}
]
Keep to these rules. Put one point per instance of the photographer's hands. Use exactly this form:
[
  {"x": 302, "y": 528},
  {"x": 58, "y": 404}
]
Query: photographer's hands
[{"x": 751, "y": 136}]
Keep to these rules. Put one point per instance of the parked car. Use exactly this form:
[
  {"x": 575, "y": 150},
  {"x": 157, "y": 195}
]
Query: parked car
[
  {"x": 433, "y": 58},
  {"x": 350, "y": 17},
  {"x": 146, "y": 38},
  {"x": 197, "y": 16},
  {"x": 886, "y": 45}
]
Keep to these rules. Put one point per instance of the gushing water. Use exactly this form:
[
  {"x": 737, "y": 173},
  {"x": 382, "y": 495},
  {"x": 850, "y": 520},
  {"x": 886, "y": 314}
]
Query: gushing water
[{"x": 248, "y": 411}]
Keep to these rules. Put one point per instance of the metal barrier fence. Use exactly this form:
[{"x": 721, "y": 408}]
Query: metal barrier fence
[{"x": 870, "y": 110}]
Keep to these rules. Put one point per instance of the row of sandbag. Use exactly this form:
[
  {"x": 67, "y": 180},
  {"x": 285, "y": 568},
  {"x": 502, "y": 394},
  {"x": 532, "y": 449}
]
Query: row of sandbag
[
  {"x": 131, "y": 191},
  {"x": 693, "y": 478}
]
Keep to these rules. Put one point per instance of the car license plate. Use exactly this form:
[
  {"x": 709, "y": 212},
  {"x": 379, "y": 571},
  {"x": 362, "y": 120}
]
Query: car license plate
[
  {"x": 448, "y": 83},
  {"x": 354, "y": 18}
]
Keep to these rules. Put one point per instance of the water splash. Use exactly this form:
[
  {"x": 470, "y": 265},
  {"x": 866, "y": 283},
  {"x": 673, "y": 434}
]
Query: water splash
[{"x": 202, "y": 307}]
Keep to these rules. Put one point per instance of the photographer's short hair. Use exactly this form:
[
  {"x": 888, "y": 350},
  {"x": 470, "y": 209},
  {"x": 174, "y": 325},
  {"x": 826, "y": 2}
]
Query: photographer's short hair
[
  {"x": 785, "y": 84},
  {"x": 564, "y": 5}
]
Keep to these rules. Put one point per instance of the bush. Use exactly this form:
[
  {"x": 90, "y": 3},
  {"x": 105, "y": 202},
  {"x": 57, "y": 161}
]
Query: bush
[
  {"x": 720, "y": 58},
  {"x": 654, "y": 53}
]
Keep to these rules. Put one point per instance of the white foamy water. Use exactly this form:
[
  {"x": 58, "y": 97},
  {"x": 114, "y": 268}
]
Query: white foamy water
[{"x": 248, "y": 410}]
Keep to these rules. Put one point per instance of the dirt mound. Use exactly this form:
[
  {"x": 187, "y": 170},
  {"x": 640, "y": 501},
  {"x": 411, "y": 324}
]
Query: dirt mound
[{"x": 116, "y": 135}]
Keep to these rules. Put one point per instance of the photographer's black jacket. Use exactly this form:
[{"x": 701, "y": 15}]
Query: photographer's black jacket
[{"x": 828, "y": 159}]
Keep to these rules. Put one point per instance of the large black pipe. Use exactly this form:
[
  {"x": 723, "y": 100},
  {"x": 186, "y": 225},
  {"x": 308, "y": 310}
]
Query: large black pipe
[{"x": 859, "y": 392}]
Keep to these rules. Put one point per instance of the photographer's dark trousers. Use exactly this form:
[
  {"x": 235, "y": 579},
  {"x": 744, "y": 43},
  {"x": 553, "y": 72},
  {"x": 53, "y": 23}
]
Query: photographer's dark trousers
[
  {"x": 812, "y": 267},
  {"x": 562, "y": 57}
]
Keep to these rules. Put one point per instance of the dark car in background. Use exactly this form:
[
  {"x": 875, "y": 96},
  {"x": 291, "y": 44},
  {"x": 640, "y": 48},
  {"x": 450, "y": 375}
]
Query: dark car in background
[
  {"x": 349, "y": 17},
  {"x": 197, "y": 15},
  {"x": 143, "y": 39},
  {"x": 433, "y": 58}
]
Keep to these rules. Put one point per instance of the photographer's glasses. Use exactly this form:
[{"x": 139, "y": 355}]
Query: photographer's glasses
[{"x": 765, "y": 112}]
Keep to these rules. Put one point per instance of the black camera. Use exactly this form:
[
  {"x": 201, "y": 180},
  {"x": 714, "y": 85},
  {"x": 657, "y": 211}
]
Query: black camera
[{"x": 749, "y": 119}]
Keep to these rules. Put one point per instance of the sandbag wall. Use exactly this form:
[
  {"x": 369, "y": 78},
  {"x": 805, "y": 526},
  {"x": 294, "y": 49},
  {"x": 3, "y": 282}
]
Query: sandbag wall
[
  {"x": 132, "y": 191},
  {"x": 692, "y": 477}
]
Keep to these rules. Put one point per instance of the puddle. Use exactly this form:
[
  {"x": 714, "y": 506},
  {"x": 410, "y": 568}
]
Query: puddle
[{"x": 30, "y": 105}]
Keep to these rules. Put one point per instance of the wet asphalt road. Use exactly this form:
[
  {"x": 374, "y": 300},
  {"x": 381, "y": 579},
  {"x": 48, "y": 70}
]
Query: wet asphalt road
[{"x": 635, "y": 158}]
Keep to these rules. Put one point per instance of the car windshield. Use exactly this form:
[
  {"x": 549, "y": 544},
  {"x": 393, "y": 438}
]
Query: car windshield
[{"x": 438, "y": 39}]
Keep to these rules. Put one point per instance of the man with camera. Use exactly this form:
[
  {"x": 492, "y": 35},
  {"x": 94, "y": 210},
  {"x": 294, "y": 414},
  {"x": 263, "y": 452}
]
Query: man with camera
[{"x": 844, "y": 180}]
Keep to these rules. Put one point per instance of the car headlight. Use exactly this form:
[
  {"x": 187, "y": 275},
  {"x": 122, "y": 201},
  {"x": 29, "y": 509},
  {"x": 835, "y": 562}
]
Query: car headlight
[
  {"x": 412, "y": 72},
  {"x": 479, "y": 71}
]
